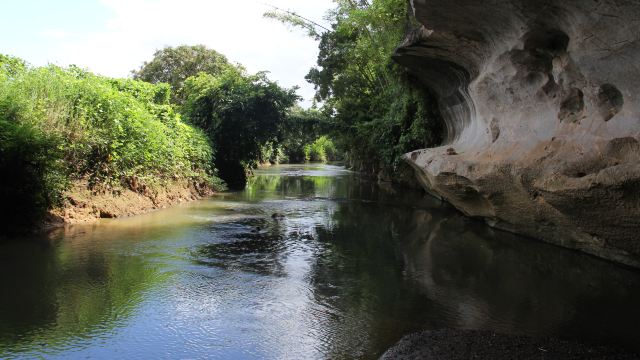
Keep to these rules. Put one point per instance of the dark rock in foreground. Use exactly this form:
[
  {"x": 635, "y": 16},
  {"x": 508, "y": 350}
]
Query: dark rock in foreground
[{"x": 467, "y": 344}]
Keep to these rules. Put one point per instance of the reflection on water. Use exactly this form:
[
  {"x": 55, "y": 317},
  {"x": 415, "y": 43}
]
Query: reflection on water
[{"x": 308, "y": 262}]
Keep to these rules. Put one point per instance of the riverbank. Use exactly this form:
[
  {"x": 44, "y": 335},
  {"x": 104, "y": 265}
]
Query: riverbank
[
  {"x": 82, "y": 205},
  {"x": 449, "y": 344}
]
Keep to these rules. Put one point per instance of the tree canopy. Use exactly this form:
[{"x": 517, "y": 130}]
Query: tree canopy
[{"x": 173, "y": 65}]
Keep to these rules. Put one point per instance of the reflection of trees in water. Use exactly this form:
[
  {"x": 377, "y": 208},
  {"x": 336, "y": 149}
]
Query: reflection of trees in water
[
  {"x": 389, "y": 262},
  {"x": 241, "y": 246},
  {"x": 56, "y": 293},
  {"x": 261, "y": 242},
  {"x": 361, "y": 274},
  {"x": 266, "y": 186}
]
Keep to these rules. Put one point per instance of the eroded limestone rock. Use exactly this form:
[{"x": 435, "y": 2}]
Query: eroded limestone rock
[{"x": 541, "y": 105}]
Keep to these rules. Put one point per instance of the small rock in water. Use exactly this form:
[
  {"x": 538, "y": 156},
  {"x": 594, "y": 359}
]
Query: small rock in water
[{"x": 277, "y": 216}]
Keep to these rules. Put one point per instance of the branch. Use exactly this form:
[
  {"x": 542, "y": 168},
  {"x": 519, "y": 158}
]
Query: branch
[{"x": 304, "y": 22}]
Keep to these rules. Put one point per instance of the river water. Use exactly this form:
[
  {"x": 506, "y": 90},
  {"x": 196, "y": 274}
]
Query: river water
[{"x": 308, "y": 262}]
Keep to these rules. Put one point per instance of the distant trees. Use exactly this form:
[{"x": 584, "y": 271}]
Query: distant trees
[
  {"x": 302, "y": 128},
  {"x": 242, "y": 114},
  {"x": 174, "y": 65}
]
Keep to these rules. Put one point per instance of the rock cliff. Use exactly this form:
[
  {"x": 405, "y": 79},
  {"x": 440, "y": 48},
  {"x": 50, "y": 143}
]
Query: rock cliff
[{"x": 541, "y": 105}]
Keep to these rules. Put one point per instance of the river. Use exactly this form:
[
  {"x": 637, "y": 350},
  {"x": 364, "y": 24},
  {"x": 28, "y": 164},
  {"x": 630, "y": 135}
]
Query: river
[{"x": 309, "y": 262}]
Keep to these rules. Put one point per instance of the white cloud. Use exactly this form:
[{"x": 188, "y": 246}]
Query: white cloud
[{"x": 234, "y": 28}]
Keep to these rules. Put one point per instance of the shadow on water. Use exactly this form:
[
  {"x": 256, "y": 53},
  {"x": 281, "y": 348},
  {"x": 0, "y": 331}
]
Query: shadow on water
[
  {"x": 391, "y": 262},
  {"x": 251, "y": 245},
  {"x": 52, "y": 295},
  {"x": 307, "y": 262},
  {"x": 450, "y": 272}
]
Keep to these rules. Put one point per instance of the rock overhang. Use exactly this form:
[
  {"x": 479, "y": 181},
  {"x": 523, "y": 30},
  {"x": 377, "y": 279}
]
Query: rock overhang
[{"x": 540, "y": 103}]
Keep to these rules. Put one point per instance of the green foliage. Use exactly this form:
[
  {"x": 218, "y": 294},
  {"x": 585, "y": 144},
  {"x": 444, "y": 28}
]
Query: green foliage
[
  {"x": 241, "y": 113},
  {"x": 11, "y": 66},
  {"x": 273, "y": 153},
  {"x": 159, "y": 94},
  {"x": 174, "y": 65},
  {"x": 302, "y": 127},
  {"x": 33, "y": 174},
  {"x": 408, "y": 123},
  {"x": 380, "y": 112},
  {"x": 322, "y": 150},
  {"x": 303, "y": 138},
  {"x": 62, "y": 124},
  {"x": 377, "y": 111}
]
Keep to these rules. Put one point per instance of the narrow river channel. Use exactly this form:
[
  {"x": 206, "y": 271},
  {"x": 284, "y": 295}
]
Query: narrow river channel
[{"x": 310, "y": 261}]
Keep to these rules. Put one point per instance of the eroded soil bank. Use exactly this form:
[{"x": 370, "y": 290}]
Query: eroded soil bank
[{"x": 83, "y": 205}]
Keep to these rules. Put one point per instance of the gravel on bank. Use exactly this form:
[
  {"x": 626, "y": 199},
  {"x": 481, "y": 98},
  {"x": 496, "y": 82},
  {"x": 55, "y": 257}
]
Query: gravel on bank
[{"x": 450, "y": 344}]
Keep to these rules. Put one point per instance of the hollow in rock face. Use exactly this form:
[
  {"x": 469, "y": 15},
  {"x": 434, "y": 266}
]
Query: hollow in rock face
[{"x": 540, "y": 102}]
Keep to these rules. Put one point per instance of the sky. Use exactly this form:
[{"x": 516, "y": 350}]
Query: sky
[{"x": 113, "y": 37}]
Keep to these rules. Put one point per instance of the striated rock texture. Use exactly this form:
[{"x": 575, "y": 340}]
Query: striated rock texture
[{"x": 541, "y": 104}]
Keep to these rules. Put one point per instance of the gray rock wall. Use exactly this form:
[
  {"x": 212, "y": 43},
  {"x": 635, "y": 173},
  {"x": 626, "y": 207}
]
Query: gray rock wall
[{"x": 541, "y": 105}]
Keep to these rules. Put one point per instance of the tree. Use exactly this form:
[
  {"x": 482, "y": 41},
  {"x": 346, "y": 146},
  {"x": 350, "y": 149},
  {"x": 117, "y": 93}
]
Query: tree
[
  {"x": 378, "y": 110},
  {"x": 173, "y": 65},
  {"x": 240, "y": 113}
]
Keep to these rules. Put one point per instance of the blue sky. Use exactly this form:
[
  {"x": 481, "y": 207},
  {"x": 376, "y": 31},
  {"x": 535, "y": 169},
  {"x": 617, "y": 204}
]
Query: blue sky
[
  {"x": 28, "y": 27},
  {"x": 112, "y": 37}
]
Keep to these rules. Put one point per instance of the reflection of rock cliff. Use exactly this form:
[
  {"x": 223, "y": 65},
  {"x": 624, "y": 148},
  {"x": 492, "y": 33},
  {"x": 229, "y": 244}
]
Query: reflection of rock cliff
[
  {"x": 476, "y": 278},
  {"x": 541, "y": 104}
]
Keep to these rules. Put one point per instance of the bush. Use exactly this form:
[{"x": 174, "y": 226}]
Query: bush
[
  {"x": 62, "y": 124},
  {"x": 321, "y": 150},
  {"x": 33, "y": 174}
]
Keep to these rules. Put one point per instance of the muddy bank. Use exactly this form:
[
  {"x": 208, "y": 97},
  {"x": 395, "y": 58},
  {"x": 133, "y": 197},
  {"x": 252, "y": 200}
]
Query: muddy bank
[
  {"x": 82, "y": 205},
  {"x": 467, "y": 344}
]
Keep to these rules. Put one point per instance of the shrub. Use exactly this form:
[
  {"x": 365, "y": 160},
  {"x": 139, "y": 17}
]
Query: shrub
[
  {"x": 322, "y": 150},
  {"x": 62, "y": 124},
  {"x": 33, "y": 174}
]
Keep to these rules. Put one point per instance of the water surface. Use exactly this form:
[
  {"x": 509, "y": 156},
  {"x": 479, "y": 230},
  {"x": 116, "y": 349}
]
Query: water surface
[{"x": 308, "y": 262}]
